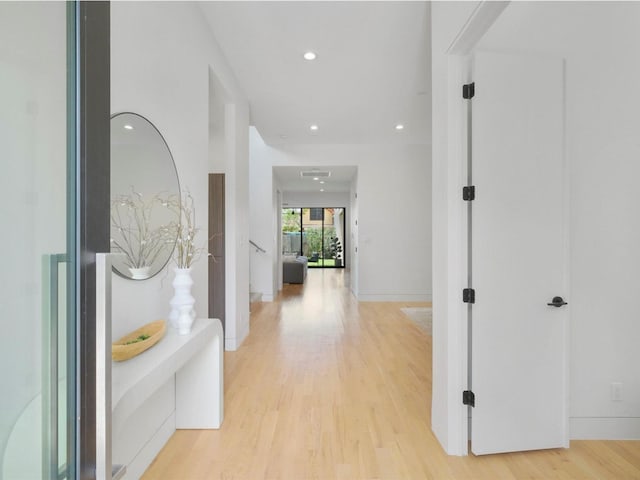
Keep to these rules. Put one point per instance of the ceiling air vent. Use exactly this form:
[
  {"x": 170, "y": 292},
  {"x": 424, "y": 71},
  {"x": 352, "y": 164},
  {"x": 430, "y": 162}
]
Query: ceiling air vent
[{"x": 315, "y": 174}]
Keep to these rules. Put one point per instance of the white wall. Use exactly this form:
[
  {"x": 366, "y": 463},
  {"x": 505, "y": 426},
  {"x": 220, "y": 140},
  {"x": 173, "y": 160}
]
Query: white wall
[
  {"x": 262, "y": 224},
  {"x": 218, "y": 98},
  {"x": 160, "y": 60},
  {"x": 277, "y": 233},
  {"x": 315, "y": 199},
  {"x": 394, "y": 187},
  {"x": 600, "y": 43},
  {"x": 237, "y": 225}
]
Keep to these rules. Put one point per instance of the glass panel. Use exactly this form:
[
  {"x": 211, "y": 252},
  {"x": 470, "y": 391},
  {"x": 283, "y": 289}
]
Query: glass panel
[
  {"x": 37, "y": 278},
  {"x": 312, "y": 239},
  {"x": 291, "y": 235}
]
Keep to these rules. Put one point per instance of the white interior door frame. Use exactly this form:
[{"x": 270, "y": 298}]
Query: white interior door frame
[{"x": 459, "y": 71}]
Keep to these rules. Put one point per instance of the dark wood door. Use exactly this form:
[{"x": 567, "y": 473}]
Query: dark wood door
[{"x": 216, "y": 247}]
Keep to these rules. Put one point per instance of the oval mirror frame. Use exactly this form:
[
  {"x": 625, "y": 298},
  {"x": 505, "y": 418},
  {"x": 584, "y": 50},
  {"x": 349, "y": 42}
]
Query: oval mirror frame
[{"x": 145, "y": 197}]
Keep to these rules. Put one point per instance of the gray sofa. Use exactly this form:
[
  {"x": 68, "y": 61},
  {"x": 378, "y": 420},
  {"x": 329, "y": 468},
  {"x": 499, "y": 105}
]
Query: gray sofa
[{"x": 294, "y": 269}]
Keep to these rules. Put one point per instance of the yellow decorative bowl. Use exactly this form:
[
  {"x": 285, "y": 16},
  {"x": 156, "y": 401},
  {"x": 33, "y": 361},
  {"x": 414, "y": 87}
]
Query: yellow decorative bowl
[{"x": 127, "y": 347}]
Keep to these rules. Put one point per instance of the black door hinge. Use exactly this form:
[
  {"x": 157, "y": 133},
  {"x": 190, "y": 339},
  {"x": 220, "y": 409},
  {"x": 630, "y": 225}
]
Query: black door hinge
[
  {"x": 468, "y": 90},
  {"x": 468, "y": 398},
  {"x": 469, "y": 295},
  {"x": 469, "y": 193}
]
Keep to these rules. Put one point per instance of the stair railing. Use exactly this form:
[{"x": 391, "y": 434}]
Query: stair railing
[{"x": 257, "y": 247}]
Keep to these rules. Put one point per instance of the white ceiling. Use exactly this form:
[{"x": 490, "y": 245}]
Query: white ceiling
[
  {"x": 339, "y": 180},
  {"x": 372, "y": 70}
]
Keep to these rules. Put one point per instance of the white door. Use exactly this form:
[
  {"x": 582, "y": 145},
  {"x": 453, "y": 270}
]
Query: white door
[{"x": 519, "y": 343}]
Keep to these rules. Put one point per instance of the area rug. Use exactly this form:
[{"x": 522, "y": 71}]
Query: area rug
[{"x": 421, "y": 316}]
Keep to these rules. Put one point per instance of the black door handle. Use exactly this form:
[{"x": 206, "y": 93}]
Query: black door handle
[{"x": 557, "y": 302}]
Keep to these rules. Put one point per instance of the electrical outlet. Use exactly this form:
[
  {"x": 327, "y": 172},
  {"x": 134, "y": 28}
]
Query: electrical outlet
[{"x": 616, "y": 391}]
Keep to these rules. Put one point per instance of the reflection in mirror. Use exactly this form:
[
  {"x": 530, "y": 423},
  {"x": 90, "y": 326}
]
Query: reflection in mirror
[{"x": 145, "y": 197}]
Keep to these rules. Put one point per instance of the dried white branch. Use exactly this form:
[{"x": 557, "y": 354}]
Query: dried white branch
[{"x": 133, "y": 233}]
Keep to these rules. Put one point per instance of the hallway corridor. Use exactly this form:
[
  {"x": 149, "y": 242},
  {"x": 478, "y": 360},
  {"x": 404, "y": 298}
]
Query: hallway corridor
[{"x": 325, "y": 387}]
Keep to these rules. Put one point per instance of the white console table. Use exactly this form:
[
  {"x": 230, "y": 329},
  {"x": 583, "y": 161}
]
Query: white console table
[{"x": 194, "y": 364}]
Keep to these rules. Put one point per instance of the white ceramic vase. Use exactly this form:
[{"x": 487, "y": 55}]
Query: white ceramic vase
[
  {"x": 141, "y": 273},
  {"x": 182, "y": 313}
]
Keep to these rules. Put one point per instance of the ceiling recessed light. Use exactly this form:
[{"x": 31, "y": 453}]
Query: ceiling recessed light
[
  {"x": 313, "y": 128},
  {"x": 316, "y": 178},
  {"x": 399, "y": 126},
  {"x": 128, "y": 127},
  {"x": 309, "y": 56},
  {"x": 322, "y": 181},
  {"x": 322, "y": 189}
]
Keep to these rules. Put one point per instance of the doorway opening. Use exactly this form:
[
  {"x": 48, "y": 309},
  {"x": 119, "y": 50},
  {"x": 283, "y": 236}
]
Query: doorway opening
[{"x": 316, "y": 233}]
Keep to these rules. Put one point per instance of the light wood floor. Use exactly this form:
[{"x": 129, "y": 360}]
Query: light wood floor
[{"x": 326, "y": 388}]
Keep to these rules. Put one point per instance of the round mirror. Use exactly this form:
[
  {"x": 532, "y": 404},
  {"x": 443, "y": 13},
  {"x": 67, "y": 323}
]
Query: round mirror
[{"x": 145, "y": 197}]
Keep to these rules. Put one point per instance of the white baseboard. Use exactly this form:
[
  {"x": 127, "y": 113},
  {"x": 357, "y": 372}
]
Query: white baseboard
[
  {"x": 267, "y": 298},
  {"x": 148, "y": 453},
  {"x": 230, "y": 344},
  {"x": 363, "y": 297},
  {"x": 604, "y": 428},
  {"x": 255, "y": 297}
]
